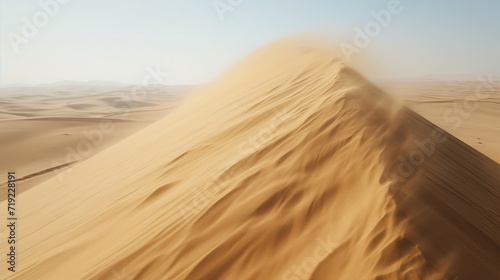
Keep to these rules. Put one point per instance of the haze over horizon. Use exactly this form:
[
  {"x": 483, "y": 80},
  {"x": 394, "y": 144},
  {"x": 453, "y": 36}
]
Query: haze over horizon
[{"x": 192, "y": 42}]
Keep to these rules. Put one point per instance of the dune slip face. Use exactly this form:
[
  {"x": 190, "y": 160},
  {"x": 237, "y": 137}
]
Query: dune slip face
[{"x": 290, "y": 166}]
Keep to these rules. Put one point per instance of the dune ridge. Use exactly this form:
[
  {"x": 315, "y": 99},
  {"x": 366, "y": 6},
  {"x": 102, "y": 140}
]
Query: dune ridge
[{"x": 287, "y": 167}]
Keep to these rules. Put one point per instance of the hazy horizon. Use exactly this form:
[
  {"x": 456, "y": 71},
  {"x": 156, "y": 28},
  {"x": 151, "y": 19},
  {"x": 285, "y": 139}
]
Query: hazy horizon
[{"x": 192, "y": 42}]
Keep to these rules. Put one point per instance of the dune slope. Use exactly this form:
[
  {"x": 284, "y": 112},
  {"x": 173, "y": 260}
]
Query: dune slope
[{"x": 291, "y": 166}]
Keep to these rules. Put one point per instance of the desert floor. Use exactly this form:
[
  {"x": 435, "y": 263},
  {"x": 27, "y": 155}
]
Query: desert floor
[
  {"x": 469, "y": 110},
  {"x": 47, "y": 129}
]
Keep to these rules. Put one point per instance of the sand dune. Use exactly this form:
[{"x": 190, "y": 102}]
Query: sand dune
[{"x": 290, "y": 166}]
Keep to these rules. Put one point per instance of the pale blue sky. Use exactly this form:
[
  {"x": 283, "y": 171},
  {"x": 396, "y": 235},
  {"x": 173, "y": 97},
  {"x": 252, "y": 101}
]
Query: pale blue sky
[{"x": 115, "y": 40}]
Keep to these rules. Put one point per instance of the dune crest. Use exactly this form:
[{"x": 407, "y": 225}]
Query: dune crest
[{"x": 291, "y": 166}]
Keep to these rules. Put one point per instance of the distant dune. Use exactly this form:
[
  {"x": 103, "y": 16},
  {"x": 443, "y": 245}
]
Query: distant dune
[
  {"x": 47, "y": 129},
  {"x": 290, "y": 166}
]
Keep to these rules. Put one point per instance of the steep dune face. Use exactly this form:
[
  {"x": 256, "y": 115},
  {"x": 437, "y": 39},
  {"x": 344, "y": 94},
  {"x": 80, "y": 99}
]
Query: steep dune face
[
  {"x": 465, "y": 109},
  {"x": 291, "y": 166},
  {"x": 450, "y": 198}
]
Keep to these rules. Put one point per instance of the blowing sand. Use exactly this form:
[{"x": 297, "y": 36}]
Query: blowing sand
[{"x": 290, "y": 166}]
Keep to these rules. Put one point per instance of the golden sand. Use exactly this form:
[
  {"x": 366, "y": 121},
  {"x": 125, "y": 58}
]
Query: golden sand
[{"x": 290, "y": 166}]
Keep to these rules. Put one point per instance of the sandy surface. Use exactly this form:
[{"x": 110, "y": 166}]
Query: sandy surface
[
  {"x": 469, "y": 110},
  {"x": 290, "y": 166},
  {"x": 47, "y": 129}
]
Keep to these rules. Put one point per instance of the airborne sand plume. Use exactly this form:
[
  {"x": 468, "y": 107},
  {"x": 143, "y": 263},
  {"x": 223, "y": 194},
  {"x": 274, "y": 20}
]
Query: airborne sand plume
[{"x": 291, "y": 166}]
